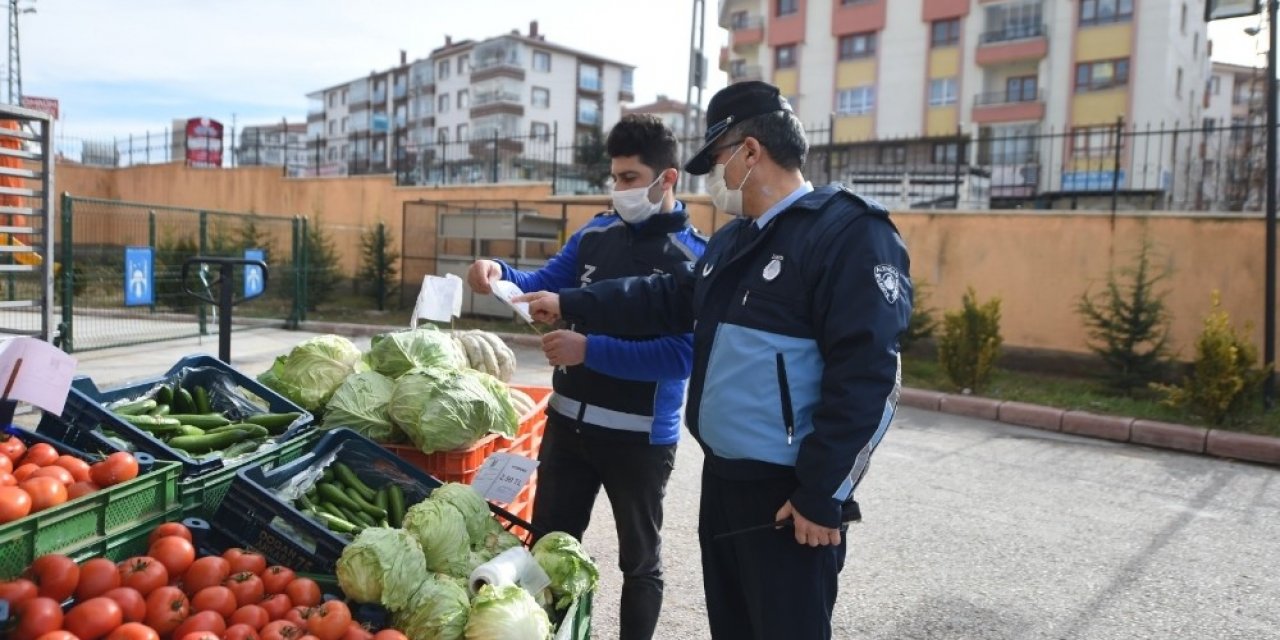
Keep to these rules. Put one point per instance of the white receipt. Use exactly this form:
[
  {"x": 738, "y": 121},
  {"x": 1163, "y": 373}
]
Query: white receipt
[{"x": 505, "y": 291}]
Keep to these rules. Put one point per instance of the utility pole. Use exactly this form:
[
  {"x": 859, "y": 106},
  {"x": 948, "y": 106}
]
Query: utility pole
[
  {"x": 15, "y": 55},
  {"x": 697, "y": 78},
  {"x": 1269, "y": 330}
]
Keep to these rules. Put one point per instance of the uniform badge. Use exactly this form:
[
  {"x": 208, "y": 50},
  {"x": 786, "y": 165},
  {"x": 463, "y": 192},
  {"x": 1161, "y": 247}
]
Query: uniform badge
[
  {"x": 772, "y": 269},
  {"x": 890, "y": 282},
  {"x": 706, "y": 269}
]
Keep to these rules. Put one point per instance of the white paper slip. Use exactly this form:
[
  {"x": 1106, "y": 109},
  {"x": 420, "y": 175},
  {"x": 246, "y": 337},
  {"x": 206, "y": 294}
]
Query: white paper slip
[
  {"x": 35, "y": 372},
  {"x": 505, "y": 291},
  {"x": 502, "y": 476},
  {"x": 439, "y": 300}
]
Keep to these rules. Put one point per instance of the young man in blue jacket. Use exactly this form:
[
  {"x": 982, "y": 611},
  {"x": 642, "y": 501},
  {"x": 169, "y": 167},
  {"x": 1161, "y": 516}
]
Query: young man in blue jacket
[
  {"x": 615, "y": 416},
  {"x": 796, "y": 309}
]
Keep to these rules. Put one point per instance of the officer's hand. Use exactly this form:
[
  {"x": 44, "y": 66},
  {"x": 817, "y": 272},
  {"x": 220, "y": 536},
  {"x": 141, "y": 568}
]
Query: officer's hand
[
  {"x": 807, "y": 531},
  {"x": 481, "y": 273},
  {"x": 565, "y": 348},
  {"x": 544, "y": 306}
]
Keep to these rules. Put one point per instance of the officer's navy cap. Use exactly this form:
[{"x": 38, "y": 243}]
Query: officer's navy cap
[{"x": 733, "y": 104}]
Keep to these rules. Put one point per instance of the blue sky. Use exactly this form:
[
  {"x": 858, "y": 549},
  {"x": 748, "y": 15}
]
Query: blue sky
[{"x": 129, "y": 66}]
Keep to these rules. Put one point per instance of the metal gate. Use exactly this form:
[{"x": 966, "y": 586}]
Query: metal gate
[{"x": 26, "y": 236}]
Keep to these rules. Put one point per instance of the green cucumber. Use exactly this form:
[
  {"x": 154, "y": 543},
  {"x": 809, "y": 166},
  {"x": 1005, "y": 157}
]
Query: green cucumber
[
  {"x": 337, "y": 524},
  {"x": 326, "y": 475},
  {"x": 134, "y": 407},
  {"x": 276, "y": 422},
  {"x": 252, "y": 429},
  {"x": 201, "y": 399},
  {"x": 146, "y": 422},
  {"x": 305, "y": 502},
  {"x": 243, "y": 447},
  {"x": 349, "y": 478},
  {"x": 164, "y": 395},
  {"x": 182, "y": 402},
  {"x": 335, "y": 495},
  {"x": 202, "y": 420},
  {"x": 383, "y": 499},
  {"x": 189, "y": 430},
  {"x": 365, "y": 506},
  {"x": 209, "y": 441},
  {"x": 395, "y": 512}
]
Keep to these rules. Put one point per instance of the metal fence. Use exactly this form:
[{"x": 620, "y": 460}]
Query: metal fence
[{"x": 26, "y": 243}]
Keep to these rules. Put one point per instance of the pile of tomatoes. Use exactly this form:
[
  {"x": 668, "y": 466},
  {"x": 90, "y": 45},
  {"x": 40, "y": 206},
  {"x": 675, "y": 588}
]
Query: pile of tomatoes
[
  {"x": 171, "y": 593},
  {"x": 38, "y": 478}
]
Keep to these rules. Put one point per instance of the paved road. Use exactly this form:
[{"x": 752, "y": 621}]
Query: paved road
[{"x": 975, "y": 530}]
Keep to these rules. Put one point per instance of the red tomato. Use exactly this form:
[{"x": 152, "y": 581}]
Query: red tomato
[
  {"x": 58, "y": 635},
  {"x": 143, "y": 573},
  {"x": 78, "y": 489},
  {"x": 357, "y": 632},
  {"x": 24, "y": 471},
  {"x": 304, "y": 592},
  {"x": 55, "y": 472},
  {"x": 298, "y": 616},
  {"x": 167, "y": 607},
  {"x": 133, "y": 631},
  {"x": 240, "y": 632},
  {"x": 45, "y": 492},
  {"x": 97, "y": 577},
  {"x": 41, "y": 454},
  {"x": 329, "y": 621},
  {"x": 209, "y": 571},
  {"x": 276, "y": 605},
  {"x": 170, "y": 529},
  {"x": 389, "y": 634},
  {"x": 15, "y": 504},
  {"x": 208, "y": 621},
  {"x": 12, "y": 448},
  {"x": 175, "y": 553},
  {"x": 119, "y": 467},
  {"x": 281, "y": 630},
  {"x": 36, "y": 617},
  {"x": 275, "y": 579},
  {"x": 6, "y": 465},
  {"x": 251, "y": 615},
  {"x": 94, "y": 618},
  {"x": 55, "y": 575},
  {"x": 198, "y": 635},
  {"x": 216, "y": 599},
  {"x": 246, "y": 586},
  {"x": 242, "y": 560},
  {"x": 7, "y": 479},
  {"x": 131, "y": 603},
  {"x": 78, "y": 468},
  {"x": 308, "y": 637},
  {"x": 16, "y": 592}
]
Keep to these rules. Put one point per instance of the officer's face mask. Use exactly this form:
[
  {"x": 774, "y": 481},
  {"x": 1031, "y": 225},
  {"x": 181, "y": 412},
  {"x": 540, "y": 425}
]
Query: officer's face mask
[
  {"x": 726, "y": 199},
  {"x": 634, "y": 205}
]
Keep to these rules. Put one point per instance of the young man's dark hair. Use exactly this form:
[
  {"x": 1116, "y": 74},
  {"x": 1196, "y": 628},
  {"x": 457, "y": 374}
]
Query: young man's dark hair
[
  {"x": 779, "y": 132},
  {"x": 644, "y": 135}
]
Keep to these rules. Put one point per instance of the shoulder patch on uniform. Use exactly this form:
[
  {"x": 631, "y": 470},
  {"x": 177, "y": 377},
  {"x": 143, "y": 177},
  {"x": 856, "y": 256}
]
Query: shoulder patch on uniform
[{"x": 889, "y": 279}]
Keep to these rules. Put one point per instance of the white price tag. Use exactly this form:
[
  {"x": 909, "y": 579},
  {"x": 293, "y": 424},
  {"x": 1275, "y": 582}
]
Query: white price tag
[
  {"x": 505, "y": 291},
  {"x": 503, "y": 475}
]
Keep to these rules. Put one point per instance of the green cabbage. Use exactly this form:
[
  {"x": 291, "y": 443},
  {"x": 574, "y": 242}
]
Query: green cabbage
[
  {"x": 360, "y": 404},
  {"x": 442, "y": 532},
  {"x": 444, "y": 414},
  {"x": 506, "y": 613},
  {"x": 496, "y": 539},
  {"x": 382, "y": 565},
  {"x": 438, "y": 610},
  {"x": 395, "y": 354},
  {"x": 473, "y": 507},
  {"x": 571, "y": 571},
  {"x": 311, "y": 371}
]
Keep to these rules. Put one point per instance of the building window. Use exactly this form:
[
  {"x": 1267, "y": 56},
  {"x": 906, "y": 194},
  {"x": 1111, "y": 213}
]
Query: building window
[
  {"x": 588, "y": 112},
  {"x": 942, "y": 92},
  {"x": 1105, "y": 11},
  {"x": 946, "y": 33},
  {"x": 464, "y": 99},
  {"x": 344, "y": 96},
  {"x": 333, "y": 153},
  {"x": 333, "y": 127},
  {"x": 541, "y": 98},
  {"x": 442, "y": 103},
  {"x": 893, "y": 154},
  {"x": 858, "y": 45},
  {"x": 1094, "y": 142},
  {"x": 589, "y": 77},
  {"x": 856, "y": 102},
  {"x": 462, "y": 133},
  {"x": 1177, "y": 87},
  {"x": 1102, "y": 75},
  {"x": 787, "y": 7},
  {"x": 442, "y": 70},
  {"x": 541, "y": 61},
  {"x": 1008, "y": 144},
  {"x": 1021, "y": 89},
  {"x": 344, "y": 124},
  {"x": 1183, "y": 23},
  {"x": 333, "y": 99},
  {"x": 1013, "y": 21},
  {"x": 784, "y": 57},
  {"x": 1215, "y": 86},
  {"x": 628, "y": 80},
  {"x": 462, "y": 65},
  {"x": 946, "y": 153},
  {"x": 540, "y": 130}
]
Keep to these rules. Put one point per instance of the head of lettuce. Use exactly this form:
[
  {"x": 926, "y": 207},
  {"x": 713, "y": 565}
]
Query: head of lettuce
[
  {"x": 311, "y": 371},
  {"x": 442, "y": 410}
]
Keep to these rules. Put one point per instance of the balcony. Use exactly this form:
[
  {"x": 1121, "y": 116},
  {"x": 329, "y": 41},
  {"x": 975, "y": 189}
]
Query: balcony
[
  {"x": 489, "y": 103},
  {"x": 589, "y": 84},
  {"x": 742, "y": 72},
  {"x": 379, "y": 96},
  {"x": 589, "y": 118},
  {"x": 1008, "y": 106},
  {"x": 315, "y": 116},
  {"x": 747, "y": 32},
  {"x": 490, "y": 68},
  {"x": 1012, "y": 43}
]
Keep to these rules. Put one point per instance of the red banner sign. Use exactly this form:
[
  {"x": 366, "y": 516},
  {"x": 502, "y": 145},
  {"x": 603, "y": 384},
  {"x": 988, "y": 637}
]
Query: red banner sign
[
  {"x": 44, "y": 105},
  {"x": 204, "y": 143}
]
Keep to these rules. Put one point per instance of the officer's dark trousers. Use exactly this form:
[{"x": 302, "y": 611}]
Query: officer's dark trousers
[
  {"x": 573, "y": 464},
  {"x": 762, "y": 585}
]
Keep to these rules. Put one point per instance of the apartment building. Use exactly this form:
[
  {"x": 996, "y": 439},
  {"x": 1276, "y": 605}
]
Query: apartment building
[
  {"x": 1234, "y": 135},
  {"x": 504, "y": 95},
  {"x": 673, "y": 113},
  {"x": 273, "y": 145},
  {"x": 1009, "y": 72}
]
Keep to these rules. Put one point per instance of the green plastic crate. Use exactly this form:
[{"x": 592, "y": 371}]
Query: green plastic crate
[
  {"x": 201, "y": 495},
  {"x": 126, "y": 544},
  {"x": 92, "y": 521}
]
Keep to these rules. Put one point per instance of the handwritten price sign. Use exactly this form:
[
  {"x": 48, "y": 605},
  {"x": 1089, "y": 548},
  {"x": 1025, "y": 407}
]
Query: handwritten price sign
[{"x": 503, "y": 476}]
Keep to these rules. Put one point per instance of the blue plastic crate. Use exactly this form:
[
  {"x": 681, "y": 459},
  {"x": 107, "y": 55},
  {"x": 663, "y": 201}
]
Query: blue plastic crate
[{"x": 85, "y": 415}]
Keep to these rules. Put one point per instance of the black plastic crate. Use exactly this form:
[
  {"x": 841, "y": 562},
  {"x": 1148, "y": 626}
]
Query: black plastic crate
[{"x": 85, "y": 415}]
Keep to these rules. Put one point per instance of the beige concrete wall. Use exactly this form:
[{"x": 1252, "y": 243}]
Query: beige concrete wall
[{"x": 1038, "y": 263}]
